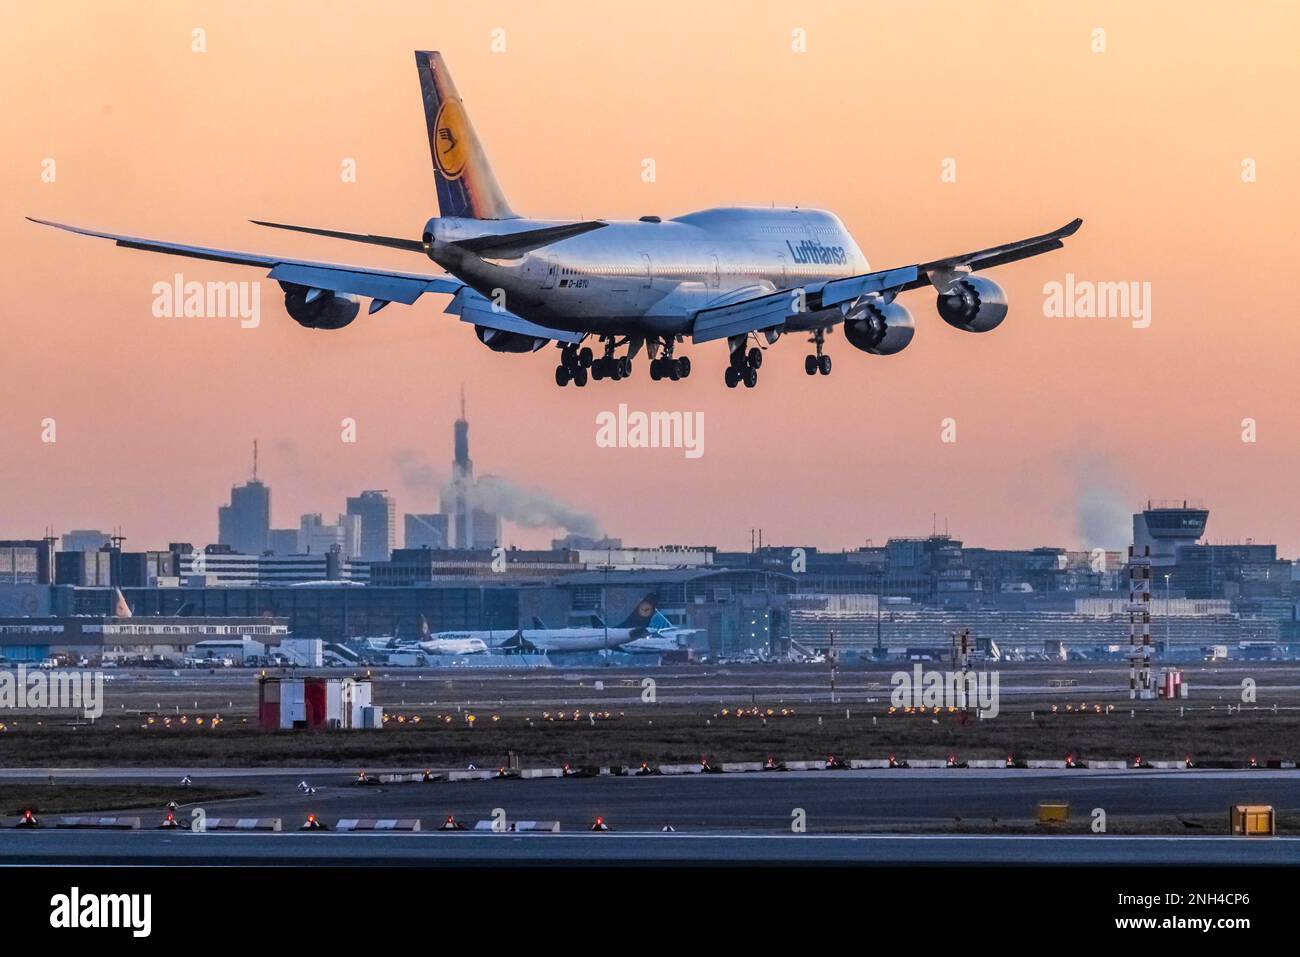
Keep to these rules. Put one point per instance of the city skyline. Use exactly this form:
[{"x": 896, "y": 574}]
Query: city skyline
[{"x": 1062, "y": 424}]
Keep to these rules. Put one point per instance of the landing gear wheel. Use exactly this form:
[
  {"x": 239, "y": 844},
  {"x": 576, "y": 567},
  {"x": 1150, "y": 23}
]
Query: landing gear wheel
[
  {"x": 684, "y": 366},
  {"x": 755, "y": 358},
  {"x": 625, "y": 366},
  {"x": 674, "y": 370},
  {"x": 656, "y": 369},
  {"x": 751, "y": 377},
  {"x": 824, "y": 365},
  {"x": 810, "y": 365},
  {"x": 580, "y": 377},
  {"x": 584, "y": 357},
  {"x": 598, "y": 369},
  {"x": 732, "y": 377},
  {"x": 561, "y": 376}
]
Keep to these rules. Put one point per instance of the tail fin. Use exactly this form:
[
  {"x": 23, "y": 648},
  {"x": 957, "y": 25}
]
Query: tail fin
[
  {"x": 517, "y": 644},
  {"x": 466, "y": 187},
  {"x": 641, "y": 614}
]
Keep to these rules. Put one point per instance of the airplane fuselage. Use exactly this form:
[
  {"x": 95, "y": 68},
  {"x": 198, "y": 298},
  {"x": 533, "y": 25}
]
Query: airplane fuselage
[{"x": 647, "y": 277}]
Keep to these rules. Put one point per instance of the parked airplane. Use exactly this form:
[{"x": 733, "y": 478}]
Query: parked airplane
[
  {"x": 541, "y": 640},
  {"x": 454, "y": 646},
  {"x": 742, "y": 275},
  {"x": 661, "y": 636}
]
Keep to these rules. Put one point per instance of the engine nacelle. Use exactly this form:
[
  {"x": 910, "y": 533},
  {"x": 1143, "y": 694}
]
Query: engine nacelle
[
  {"x": 326, "y": 310},
  {"x": 500, "y": 341},
  {"x": 974, "y": 304},
  {"x": 880, "y": 328}
]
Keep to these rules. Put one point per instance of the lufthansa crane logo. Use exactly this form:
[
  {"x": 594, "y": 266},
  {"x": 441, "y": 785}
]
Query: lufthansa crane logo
[{"x": 451, "y": 139}]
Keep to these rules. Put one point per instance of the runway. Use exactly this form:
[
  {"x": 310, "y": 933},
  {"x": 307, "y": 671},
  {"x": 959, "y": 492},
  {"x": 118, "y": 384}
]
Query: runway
[
  {"x": 154, "y": 847},
  {"x": 756, "y": 802}
]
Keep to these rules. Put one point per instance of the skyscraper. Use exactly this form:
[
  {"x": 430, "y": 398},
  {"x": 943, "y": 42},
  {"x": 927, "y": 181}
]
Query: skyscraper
[
  {"x": 378, "y": 514},
  {"x": 426, "y": 530},
  {"x": 245, "y": 524},
  {"x": 317, "y": 538}
]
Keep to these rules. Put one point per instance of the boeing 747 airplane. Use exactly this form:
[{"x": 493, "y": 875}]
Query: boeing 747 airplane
[{"x": 744, "y": 276}]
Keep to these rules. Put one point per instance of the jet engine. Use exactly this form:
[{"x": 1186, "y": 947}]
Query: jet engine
[
  {"x": 880, "y": 328},
  {"x": 319, "y": 308},
  {"x": 499, "y": 341},
  {"x": 974, "y": 304}
]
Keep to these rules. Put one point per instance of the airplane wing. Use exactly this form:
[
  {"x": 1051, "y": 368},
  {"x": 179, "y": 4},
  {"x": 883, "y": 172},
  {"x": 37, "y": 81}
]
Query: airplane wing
[
  {"x": 773, "y": 309},
  {"x": 938, "y": 272},
  {"x": 473, "y": 307},
  {"x": 380, "y": 285}
]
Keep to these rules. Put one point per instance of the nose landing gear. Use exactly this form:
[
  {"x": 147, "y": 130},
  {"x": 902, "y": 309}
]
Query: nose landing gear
[{"x": 817, "y": 363}]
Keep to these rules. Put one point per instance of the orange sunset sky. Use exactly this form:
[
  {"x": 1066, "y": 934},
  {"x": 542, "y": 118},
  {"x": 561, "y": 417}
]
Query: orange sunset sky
[{"x": 1064, "y": 425}]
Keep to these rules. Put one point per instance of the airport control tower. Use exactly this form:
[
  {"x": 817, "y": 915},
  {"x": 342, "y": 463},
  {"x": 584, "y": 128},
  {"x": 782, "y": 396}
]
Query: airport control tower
[{"x": 1162, "y": 528}]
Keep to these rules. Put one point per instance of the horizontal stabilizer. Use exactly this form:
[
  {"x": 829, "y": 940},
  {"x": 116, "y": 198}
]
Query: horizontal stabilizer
[
  {"x": 393, "y": 242},
  {"x": 514, "y": 245}
]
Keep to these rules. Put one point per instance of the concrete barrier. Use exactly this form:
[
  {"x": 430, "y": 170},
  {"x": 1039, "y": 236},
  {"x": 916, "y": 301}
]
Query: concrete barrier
[
  {"x": 241, "y": 824},
  {"x": 539, "y": 827},
  {"x": 679, "y": 769},
  {"x": 542, "y": 773},
  {"x": 805, "y": 765},
  {"x": 1046, "y": 764},
  {"x": 1105, "y": 765},
  {"x": 377, "y": 824},
  {"x": 740, "y": 766},
  {"x": 120, "y": 823},
  {"x": 862, "y": 763},
  {"x": 401, "y": 777},
  {"x": 470, "y": 775},
  {"x": 933, "y": 763},
  {"x": 984, "y": 763},
  {"x": 1169, "y": 765}
]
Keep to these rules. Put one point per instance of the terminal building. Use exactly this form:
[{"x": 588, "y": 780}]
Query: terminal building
[{"x": 95, "y": 639}]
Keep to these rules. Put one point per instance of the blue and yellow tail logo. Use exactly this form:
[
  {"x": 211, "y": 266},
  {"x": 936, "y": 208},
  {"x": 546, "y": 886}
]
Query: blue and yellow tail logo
[{"x": 451, "y": 146}]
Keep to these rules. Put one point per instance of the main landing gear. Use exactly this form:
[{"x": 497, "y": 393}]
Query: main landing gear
[
  {"x": 610, "y": 366},
  {"x": 574, "y": 363},
  {"x": 664, "y": 366},
  {"x": 817, "y": 363},
  {"x": 744, "y": 364}
]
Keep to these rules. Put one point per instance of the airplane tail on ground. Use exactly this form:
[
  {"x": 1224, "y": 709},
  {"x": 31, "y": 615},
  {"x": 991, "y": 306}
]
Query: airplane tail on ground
[
  {"x": 641, "y": 614},
  {"x": 517, "y": 644},
  {"x": 466, "y": 186}
]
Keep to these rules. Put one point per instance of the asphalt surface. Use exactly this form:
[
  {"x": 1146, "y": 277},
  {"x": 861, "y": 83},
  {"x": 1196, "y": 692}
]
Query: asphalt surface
[
  {"x": 154, "y": 847},
  {"x": 755, "y": 802}
]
